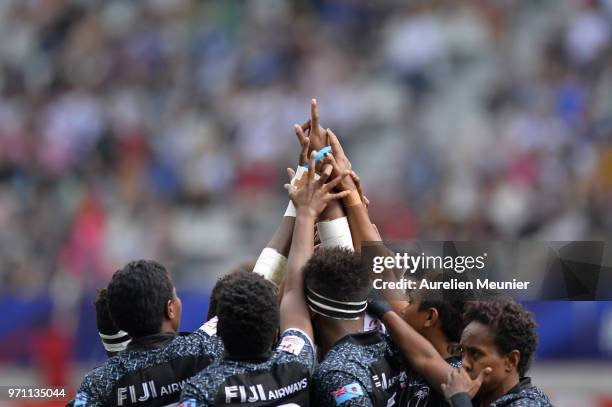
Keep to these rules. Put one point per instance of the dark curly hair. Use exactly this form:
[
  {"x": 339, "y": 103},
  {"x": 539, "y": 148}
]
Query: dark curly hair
[
  {"x": 450, "y": 314},
  {"x": 337, "y": 273},
  {"x": 450, "y": 304},
  {"x": 137, "y": 297},
  {"x": 248, "y": 313},
  {"x": 214, "y": 295},
  {"x": 103, "y": 318},
  {"x": 513, "y": 325}
]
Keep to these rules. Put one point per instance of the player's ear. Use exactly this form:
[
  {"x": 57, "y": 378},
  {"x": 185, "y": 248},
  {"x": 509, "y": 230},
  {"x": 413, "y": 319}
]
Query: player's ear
[
  {"x": 432, "y": 317},
  {"x": 169, "y": 310},
  {"x": 512, "y": 360}
]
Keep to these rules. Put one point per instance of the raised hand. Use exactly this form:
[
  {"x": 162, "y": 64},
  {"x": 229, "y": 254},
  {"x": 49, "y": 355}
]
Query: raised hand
[
  {"x": 311, "y": 198},
  {"x": 459, "y": 381},
  {"x": 304, "y": 144},
  {"x": 316, "y": 133}
]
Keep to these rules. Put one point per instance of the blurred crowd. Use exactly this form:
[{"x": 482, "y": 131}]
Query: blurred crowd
[{"x": 162, "y": 128}]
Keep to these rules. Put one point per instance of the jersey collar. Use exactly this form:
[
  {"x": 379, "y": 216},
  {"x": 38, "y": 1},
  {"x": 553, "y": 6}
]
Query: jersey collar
[{"x": 151, "y": 342}]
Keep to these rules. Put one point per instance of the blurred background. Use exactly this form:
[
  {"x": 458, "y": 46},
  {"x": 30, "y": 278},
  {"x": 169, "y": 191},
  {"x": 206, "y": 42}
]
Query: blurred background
[{"x": 161, "y": 129}]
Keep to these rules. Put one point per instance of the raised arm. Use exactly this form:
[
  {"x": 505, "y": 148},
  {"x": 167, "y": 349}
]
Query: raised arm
[
  {"x": 422, "y": 355},
  {"x": 272, "y": 261},
  {"x": 309, "y": 200}
]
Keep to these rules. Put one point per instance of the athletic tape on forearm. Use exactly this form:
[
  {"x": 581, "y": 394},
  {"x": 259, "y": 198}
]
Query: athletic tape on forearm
[
  {"x": 298, "y": 181},
  {"x": 335, "y": 233},
  {"x": 271, "y": 264}
]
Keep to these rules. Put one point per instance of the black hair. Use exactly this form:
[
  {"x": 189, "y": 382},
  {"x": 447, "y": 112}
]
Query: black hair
[
  {"x": 214, "y": 295},
  {"x": 103, "y": 318},
  {"x": 248, "y": 312},
  {"x": 513, "y": 326},
  {"x": 337, "y": 273},
  {"x": 137, "y": 297},
  {"x": 450, "y": 305}
]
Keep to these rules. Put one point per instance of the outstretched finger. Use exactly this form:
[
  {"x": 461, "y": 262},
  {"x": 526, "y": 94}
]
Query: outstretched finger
[
  {"x": 338, "y": 195},
  {"x": 304, "y": 144},
  {"x": 314, "y": 115},
  {"x": 357, "y": 182},
  {"x": 482, "y": 375},
  {"x": 290, "y": 173},
  {"x": 325, "y": 173},
  {"x": 333, "y": 183},
  {"x": 329, "y": 159},
  {"x": 311, "y": 167},
  {"x": 334, "y": 143}
]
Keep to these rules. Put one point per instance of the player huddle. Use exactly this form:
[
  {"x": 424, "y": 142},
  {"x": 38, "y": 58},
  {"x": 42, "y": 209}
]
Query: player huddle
[{"x": 297, "y": 329}]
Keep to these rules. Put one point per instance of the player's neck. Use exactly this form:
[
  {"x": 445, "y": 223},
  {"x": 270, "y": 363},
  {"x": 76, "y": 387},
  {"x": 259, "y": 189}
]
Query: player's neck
[
  {"x": 167, "y": 327},
  {"x": 488, "y": 398},
  {"x": 332, "y": 330}
]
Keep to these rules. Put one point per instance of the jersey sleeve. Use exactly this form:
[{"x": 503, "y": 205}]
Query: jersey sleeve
[
  {"x": 295, "y": 346},
  {"x": 205, "y": 337},
  {"x": 87, "y": 395},
  {"x": 191, "y": 396},
  {"x": 336, "y": 388}
]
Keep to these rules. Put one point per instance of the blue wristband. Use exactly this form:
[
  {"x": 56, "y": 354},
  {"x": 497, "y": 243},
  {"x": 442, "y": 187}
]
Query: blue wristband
[{"x": 320, "y": 154}]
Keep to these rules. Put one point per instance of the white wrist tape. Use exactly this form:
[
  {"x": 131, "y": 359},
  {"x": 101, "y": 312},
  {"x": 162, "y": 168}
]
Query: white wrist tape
[
  {"x": 291, "y": 210},
  {"x": 335, "y": 233},
  {"x": 299, "y": 172},
  {"x": 271, "y": 264}
]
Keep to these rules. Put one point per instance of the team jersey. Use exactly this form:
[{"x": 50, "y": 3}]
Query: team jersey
[
  {"x": 152, "y": 370},
  {"x": 416, "y": 392},
  {"x": 359, "y": 370},
  {"x": 277, "y": 379},
  {"x": 524, "y": 394}
]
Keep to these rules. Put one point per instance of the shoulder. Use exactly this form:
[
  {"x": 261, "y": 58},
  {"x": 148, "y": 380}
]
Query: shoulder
[
  {"x": 295, "y": 346},
  {"x": 336, "y": 387},
  {"x": 531, "y": 396},
  {"x": 97, "y": 384},
  {"x": 192, "y": 393},
  {"x": 203, "y": 341}
]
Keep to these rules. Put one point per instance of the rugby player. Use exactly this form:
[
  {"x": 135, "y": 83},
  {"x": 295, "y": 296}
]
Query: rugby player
[
  {"x": 427, "y": 333},
  {"x": 436, "y": 319},
  {"x": 151, "y": 371},
  {"x": 440, "y": 321},
  {"x": 248, "y": 318},
  {"x": 501, "y": 337},
  {"x": 358, "y": 368}
]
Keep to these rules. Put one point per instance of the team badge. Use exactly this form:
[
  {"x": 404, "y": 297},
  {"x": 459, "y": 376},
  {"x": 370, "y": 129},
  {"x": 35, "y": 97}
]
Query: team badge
[
  {"x": 347, "y": 392},
  {"x": 291, "y": 344},
  {"x": 210, "y": 327}
]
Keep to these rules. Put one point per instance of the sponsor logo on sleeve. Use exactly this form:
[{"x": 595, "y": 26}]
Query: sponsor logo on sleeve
[
  {"x": 210, "y": 327},
  {"x": 347, "y": 393},
  {"x": 291, "y": 344},
  {"x": 80, "y": 399},
  {"x": 188, "y": 403}
]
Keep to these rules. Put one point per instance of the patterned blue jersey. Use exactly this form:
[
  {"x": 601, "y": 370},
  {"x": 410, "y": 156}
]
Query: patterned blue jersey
[
  {"x": 360, "y": 370},
  {"x": 281, "y": 378},
  {"x": 152, "y": 370},
  {"x": 417, "y": 392},
  {"x": 523, "y": 394}
]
